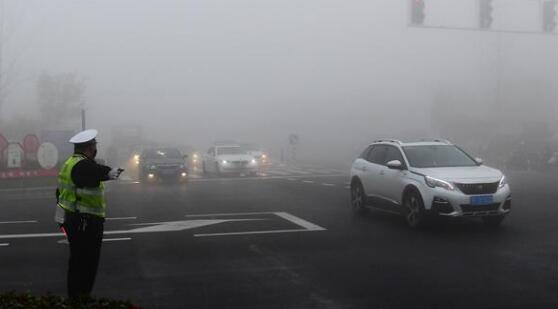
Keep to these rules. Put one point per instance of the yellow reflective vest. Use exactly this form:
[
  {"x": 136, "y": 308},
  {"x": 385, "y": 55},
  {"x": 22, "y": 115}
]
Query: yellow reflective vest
[{"x": 83, "y": 200}]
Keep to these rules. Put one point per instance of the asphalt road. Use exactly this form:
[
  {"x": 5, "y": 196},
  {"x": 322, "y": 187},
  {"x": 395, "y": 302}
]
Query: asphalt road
[{"x": 288, "y": 239}]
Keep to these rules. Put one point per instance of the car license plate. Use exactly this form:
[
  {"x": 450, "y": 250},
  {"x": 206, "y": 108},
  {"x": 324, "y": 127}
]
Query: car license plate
[{"x": 482, "y": 200}]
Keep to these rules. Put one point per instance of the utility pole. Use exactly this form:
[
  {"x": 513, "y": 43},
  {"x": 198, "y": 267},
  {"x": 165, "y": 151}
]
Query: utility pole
[{"x": 83, "y": 119}]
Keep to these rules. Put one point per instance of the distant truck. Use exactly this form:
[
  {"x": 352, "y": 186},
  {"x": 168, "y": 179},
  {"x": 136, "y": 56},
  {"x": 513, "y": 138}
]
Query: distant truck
[{"x": 166, "y": 164}]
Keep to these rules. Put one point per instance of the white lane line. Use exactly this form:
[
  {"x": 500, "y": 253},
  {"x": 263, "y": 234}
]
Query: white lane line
[
  {"x": 116, "y": 239},
  {"x": 65, "y": 241},
  {"x": 328, "y": 184},
  {"x": 128, "y": 182},
  {"x": 17, "y": 190},
  {"x": 280, "y": 173},
  {"x": 308, "y": 181},
  {"x": 121, "y": 218},
  {"x": 291, "y": 179},
  {"x": 300, "y": 172},
  {"x": 33, "y": 235},
  {"x": 19, "y": 222},
  {"x": 4, "y": 244}
]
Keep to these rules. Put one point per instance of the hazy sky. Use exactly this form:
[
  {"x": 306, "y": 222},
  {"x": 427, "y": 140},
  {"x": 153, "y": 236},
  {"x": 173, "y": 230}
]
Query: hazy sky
[{"x": 335, "y": 71}]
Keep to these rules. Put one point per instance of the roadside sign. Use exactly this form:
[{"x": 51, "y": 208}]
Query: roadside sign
[
  {"x": 15, "y": 155},
  {"x": 30, "y": 147},
  {"x": 47, "y": 155},
  {"x": 31, "y": 143}
]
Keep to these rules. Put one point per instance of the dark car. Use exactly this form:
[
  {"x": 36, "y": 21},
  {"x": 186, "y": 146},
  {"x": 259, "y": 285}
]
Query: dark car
[{"x": 162, "y": 164}]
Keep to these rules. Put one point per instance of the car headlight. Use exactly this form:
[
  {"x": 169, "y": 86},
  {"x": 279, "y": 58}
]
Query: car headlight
[
  {"x": 253, "y": 161},
  {"x": 224, "y": 162},
  {"x": 503, "y": 182},
  {"x": 434, "y": 182}
]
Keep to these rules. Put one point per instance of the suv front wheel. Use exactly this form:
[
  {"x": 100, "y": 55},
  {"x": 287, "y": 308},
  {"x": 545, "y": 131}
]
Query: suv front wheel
[
  {"x": 358, "y": 198},
  {"x": 415, "y": 215}
]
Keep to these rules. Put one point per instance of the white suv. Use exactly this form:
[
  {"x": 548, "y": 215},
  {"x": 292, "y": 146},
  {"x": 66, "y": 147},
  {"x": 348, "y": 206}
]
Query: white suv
[{"x": 429, "y": 178}]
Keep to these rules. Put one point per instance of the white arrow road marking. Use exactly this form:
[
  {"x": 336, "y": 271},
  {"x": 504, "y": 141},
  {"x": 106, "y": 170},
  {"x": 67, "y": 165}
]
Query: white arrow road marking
[
  {"x": 301, "y": 222},
  {"x": 306, "y": 226},
  {"x": 232, "y": 214},
  {"x": 171, "y": 226},
  {"x": 175, "y": 226}
]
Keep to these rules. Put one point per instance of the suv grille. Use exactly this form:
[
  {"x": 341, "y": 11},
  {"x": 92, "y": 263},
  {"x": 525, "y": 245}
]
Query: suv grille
[
  {"x": 478, "y": 188},
  {"x": 476, "y": 208}
]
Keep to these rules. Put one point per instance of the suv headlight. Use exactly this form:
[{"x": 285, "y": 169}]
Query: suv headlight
[
  {"x": 434, "y": 182},
  {"x": 224, "y": 162},
  {"x": 503, "y": 182}
]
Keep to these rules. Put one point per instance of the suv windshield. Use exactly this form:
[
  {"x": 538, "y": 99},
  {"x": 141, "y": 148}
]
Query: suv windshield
[
  {"x": 229, "y": 150},
  {"x": 163, "y": 153},
  {"x": 437, "y": 156}
]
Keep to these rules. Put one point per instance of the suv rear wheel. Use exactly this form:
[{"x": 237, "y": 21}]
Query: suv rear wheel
[{"x": 415, "y": 215}]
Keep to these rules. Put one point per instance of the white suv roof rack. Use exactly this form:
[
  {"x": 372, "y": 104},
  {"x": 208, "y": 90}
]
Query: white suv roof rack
[
  {"x": 388, "y": 140},
  {"x": 436, "y": 140}
]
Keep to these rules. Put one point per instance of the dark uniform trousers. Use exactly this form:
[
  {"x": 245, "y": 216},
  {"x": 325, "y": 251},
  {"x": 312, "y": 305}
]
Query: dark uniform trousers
[{"x": 85, "y": 235}]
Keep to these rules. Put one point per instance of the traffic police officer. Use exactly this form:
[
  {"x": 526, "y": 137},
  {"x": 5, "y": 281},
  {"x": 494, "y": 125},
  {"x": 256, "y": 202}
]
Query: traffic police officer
[{"x": 81, "y": 210}]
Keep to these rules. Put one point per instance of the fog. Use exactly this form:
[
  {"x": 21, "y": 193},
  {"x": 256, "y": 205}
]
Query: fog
[{"x": 337, "y": 73}]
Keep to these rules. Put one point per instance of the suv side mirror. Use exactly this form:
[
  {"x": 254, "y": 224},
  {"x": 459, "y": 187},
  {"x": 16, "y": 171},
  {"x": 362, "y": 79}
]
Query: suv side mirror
[
  {"x": 479, "y": 161},
  {"x": 395, "y": 165}
]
